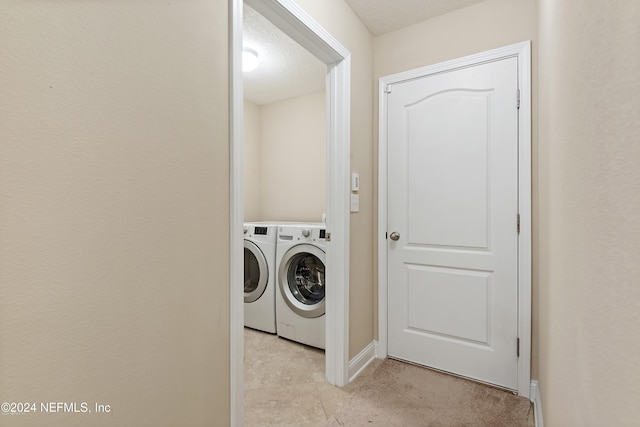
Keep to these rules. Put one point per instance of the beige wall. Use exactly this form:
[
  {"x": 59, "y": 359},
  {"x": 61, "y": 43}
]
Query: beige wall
[
  {"x": 483, "y": 26},
  {"x": 252, "y": 165},
  {"x": 114, "y": 220},
  {"x": 589, "y": 213},
  {"x": 293, "y": 159},
  {"x": 339, "y": 20}
]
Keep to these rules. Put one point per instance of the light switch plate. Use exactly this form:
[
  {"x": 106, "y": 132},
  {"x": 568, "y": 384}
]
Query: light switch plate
[
  {"x": 355, "y": 182},
  {"x": 355, "y": 203}
]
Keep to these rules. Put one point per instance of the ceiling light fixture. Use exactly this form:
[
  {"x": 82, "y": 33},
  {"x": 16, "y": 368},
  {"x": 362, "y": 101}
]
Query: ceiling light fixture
[{"x": 249, "y": 59}]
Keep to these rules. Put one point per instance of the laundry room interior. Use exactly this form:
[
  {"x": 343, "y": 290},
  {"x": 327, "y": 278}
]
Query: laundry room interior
[
  {"x": 284, "y": 183},
  {"x": 284, "y": 127}
]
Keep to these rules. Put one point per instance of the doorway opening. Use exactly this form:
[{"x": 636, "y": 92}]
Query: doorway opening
[{"x": 293, "y": 21}]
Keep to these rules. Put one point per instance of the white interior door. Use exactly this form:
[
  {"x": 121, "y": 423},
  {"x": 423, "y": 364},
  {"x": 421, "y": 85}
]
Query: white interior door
[{"x": 453, "y": 206}]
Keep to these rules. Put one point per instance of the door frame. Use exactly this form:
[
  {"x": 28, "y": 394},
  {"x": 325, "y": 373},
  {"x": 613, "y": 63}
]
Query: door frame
[
  {"x": 293, "y": 21},
  {"x": 522, "y": 51}
]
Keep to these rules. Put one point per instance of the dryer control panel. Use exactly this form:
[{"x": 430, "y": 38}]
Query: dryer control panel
[
  {"x": 262, "y": 231},
  {"x": 302, "y": 233}
]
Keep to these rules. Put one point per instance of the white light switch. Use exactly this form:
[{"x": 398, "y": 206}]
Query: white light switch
[
  {"x": 355, "y": 182},
  {"x": 355, "y": 203}
]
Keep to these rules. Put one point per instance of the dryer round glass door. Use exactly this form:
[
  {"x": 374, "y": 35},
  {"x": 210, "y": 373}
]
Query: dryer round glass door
[
  {"x": 256, "y": 273},
  {"x": 302, "y": 284}
]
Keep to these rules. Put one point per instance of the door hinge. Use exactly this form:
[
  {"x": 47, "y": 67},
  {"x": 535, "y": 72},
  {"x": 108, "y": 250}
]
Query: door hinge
[
  {"x": 518, "y": 223},
  {"x": 518, "y": 99},
  {"x": 387, "y": 89},
  {"x": 518, "y": 347}
]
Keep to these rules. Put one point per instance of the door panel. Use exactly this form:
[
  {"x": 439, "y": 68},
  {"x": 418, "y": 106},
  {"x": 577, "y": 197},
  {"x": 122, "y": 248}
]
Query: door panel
[
  {"x": 453, "y": 198},
  {"x": 454, "y": 163},
  {"x": 448, "y": 303}
]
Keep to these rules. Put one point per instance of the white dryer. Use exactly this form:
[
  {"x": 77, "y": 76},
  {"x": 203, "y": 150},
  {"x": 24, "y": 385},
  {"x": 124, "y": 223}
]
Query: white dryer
[
  {"x": 300, "y": 298},
  {"x": 260, "y": 276}
]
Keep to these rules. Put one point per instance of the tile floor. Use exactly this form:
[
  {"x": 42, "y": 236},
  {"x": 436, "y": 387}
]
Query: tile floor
[{"x": 285, "y": 386}]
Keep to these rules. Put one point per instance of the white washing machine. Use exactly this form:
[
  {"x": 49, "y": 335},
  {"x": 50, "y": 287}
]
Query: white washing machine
[
  {"x": 260, "y": 276},
  {"x": 300, "y": 297}
]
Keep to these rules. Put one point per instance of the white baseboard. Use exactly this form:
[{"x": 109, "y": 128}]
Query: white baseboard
[
  {"x": 358, "y": 363},
  {"x": 537, "y": 404}
]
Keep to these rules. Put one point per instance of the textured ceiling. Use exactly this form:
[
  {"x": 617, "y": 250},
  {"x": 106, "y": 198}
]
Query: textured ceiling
[
  {"x": 384, "y": 16},
  {"x": 287, "y": 70}
]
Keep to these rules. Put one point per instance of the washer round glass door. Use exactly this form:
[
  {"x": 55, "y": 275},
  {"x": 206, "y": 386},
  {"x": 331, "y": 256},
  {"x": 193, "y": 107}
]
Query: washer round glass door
[
  {"x": 256, "y": 272},
  {"x": 301, "y": 280}
]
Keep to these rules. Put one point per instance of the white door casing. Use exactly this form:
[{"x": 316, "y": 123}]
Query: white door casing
[
  {"x": 455, "y": 294},
  {"x": 293, "y": 21}
]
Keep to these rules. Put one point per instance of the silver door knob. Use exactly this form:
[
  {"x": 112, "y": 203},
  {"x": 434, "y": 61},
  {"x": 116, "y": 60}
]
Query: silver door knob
[
  {"x": 306, "y": 232},
  {"x": 394, "y": 236}
]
